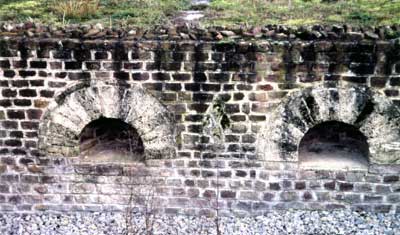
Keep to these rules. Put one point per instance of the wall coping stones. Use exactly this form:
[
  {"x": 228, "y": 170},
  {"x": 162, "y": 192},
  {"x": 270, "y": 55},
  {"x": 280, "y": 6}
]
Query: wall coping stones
[{"x": 274, "y": 32}]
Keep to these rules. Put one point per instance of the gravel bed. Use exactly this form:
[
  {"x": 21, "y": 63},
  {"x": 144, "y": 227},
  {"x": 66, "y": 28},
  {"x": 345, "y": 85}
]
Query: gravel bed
[{"x": 276, "y": 222}]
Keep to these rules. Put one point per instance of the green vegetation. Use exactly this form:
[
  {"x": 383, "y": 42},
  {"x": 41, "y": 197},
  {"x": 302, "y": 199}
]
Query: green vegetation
[
  {"x": 221, "y": 12},
  {"x": 136, "y": 12},
  {"x": 304, "y": 12}
]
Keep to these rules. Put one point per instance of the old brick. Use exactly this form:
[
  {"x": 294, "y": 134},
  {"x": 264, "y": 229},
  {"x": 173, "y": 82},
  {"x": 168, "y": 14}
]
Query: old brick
[
  {"x": 288, "y": 196},
  {"x": 390, "y": 178},
  {"x": 199, "y": 77},
  {"x": 382, "y": 208},
  {"x": 268, "y": 196},
  {"x": 55, "y": 65},
  {"x": 393, "y": 198},
  {"x": 209, "y": 194},
  {"x": 206, "y": 173},
  {"x": 46, "y": 93},
  {"x": 20, "y": 64},
  {"x": 5, "y": 103},
  {"x": 64, "y": 53},
  {"x": 22, "y": 102},
  {"x": 189, "y": 183},
  {"x": 168, "y": 97},
  {"x": 307, "y": 196},
  {"x": 193, "y": 192},
  {"x": 161, "y": 76},
  {"x": 16, "y": 134},
  {"x": 228, "y": 194},
  {"x": 26, "y": 73},
  {"x": 10, "y": 124},
  {"x": 61, "y": 75},
  {"x": 274, "y": 186},
  {"x": 4, "y": 64},
  {"x": 200, "y": 108},
  {"x": 13, "y": 142},
  {"x": 36, "y": 83},
  {"x": 346, "y": 186},
  {"x": 101, "y": 55},
  {"x": 93, "y": 65},
  {"x": 30, "y": 179},
  {"x": 10, "y": 178},
  {"x": 238, "y": 128},
  {"x": 372, "y": 198},
  {"x": 192, "y": 86},
  {"x": 211, "y": 87},
  {"x": 240, "y": 173},
  {"x": 41, "y": 103},
  {"x": 82, "y": 54},
  {"x": 391, "y": 92},
  {"x": 9, "y": 93},
  {"x": 379, "y": 82},
  {"x": 300, "y": 185},
  {"x": 382, "y": 189},
  {"x": 9, "y": 73},
  {"x": 330, "y": 185},
  {"x": 79, "y": 76},
  {"x": 181, "y": 77},
  {"x": 38, "y": 64},
  {"x": 30, "y": 125},
  {"x": 27, "y": 93},
  {"x": 72, "y": 65},
  {"x": 115, "y": 66},
  {"x": 4, "y": 188},
  {"x": 20, "y": 83},
  {"x": 56, "y": 84},
  {"x": 14, "y": 199},
  {"x": 15, "y": 114},
  {"x": 219, "y": 77},
  {"x": 140, "y": 76},
  {"x": 121, "y": 75},
  {"x": 42, "y": 189},
  {"x": 202, "y": 97}
]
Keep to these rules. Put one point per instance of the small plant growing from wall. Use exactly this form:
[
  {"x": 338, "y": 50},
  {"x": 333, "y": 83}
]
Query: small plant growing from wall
[
  {"x": 215, "y": 123},
  {"x": 141, "y": 203}
]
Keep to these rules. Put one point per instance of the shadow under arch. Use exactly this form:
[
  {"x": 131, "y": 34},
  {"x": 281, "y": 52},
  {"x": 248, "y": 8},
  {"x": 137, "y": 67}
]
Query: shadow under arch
[{"x": 333, "y": 145}]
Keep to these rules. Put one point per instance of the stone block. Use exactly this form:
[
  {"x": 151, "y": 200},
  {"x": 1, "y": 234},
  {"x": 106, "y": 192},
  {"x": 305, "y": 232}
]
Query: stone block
[
  {"x": 289, "y": 196},
  {"x": 382, "y": 189},
  {"x": 228, "y": 194},
  {"x": 346, "y": 186}
]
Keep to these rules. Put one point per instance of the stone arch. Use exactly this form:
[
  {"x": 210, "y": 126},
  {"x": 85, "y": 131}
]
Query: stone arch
[
  {"x": 377, "y": 118},
  {"x": 78, "y": 105}
]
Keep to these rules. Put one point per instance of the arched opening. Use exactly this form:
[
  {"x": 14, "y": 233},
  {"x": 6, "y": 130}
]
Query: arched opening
[
  {"x": 110, "y": 140},
  {"x": 334, "y": 145}
]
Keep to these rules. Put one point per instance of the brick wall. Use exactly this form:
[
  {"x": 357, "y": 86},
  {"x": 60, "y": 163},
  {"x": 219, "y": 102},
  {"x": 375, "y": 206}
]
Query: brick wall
[{"x": 219, "y": 95}]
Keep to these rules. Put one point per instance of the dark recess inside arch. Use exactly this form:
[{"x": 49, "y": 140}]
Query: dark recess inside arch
[
  {"x": 110, "y": 140},
  {"x": 334, "y": 145}
]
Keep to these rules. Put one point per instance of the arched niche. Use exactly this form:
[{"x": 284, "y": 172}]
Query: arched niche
[
  {"x": 374, "y": 115},
  {"x": 110, "y": 140},
  {"x": 333, "y": 145},
  {"x": 75, "y": 108}
]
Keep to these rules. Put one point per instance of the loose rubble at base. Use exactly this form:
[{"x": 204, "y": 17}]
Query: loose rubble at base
[{"x": 277, "y": 222}]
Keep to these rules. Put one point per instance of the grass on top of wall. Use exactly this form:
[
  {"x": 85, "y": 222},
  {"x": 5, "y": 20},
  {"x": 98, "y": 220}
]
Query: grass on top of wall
[
  {"x": 304, "y": 12},
  {"x": 136, "y": 12},
  {"x": 146, "y": 13}
]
